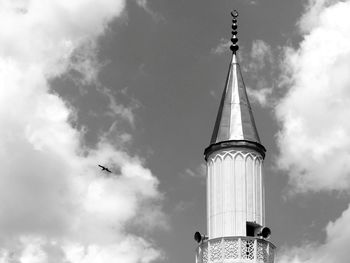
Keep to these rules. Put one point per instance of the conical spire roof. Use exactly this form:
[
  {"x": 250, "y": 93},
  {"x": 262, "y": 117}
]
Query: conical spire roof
[
  {"x": 235, "y": 125},
  {"x": 235, "y": 121}
]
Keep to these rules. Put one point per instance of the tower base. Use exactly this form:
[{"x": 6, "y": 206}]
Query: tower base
[{"x": 235, "y": 250}]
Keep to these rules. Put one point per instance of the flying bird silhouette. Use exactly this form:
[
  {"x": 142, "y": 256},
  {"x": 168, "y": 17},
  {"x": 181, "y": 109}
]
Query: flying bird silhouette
[{"x": 105, "y": 168}]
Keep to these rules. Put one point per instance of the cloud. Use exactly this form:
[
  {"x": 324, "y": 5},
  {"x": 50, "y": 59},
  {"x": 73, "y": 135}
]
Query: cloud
[
  {"x": 116, "y": 109},
  {"x": 311, "y": 18},
  {"x": 334, "y": 249},
  {"x": 261, "y": 70},
  {"x": 250, "y": 2},
  {"x": 261, "y": 95},
  {"x": 55, "y": 205},
  {"x": 199, "y": 172},
  {"x": 261, "y": 54},
  {"x": 222, "y": 47},
  {"x": 84, "y": 66},
  {"x": 314, "y": 139},
  {"x": 145, "y": 5}
]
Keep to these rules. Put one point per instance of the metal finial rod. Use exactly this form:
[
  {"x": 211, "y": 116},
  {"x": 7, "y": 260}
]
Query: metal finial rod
[{"x": 234, "y": 47}]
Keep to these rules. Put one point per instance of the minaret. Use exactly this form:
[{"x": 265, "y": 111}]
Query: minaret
[{"x": 236, "y": 230}]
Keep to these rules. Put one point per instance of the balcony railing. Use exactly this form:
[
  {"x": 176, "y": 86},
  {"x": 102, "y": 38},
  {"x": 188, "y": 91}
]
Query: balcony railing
[{"x": 235, "y": 250}]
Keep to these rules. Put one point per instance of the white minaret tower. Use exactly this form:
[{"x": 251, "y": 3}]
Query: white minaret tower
[{"x": 236, "y": 229}]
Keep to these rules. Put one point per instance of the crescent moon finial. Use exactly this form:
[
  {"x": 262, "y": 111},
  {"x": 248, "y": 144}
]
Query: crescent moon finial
[{"x": 234, "y": 13}]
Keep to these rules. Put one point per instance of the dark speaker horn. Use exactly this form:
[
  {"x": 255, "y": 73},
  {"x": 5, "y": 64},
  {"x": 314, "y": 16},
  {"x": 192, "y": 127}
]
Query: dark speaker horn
[
  {"x": 265, "y": 232},
  {"x": 198, "y": 237}
]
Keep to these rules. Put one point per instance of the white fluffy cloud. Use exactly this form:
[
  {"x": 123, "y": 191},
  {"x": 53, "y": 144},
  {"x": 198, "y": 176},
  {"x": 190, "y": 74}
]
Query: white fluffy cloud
[
  {"x": 333, "y": 250},
  {"x": 146, "y": 6},
  {"x": 55, "y": 205},
  {"x": 222, "y": 47},
  {"x": 314, "y": 115},
  {"x": 260, "y": 70},
  {"x": 315, "y": 136}
]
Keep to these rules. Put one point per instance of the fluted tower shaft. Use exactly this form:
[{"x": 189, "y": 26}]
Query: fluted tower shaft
[{"x": 235, "y": 192}]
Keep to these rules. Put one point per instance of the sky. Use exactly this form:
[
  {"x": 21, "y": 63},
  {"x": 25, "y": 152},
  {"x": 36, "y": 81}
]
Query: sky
[{"x": 135, "y": 85}]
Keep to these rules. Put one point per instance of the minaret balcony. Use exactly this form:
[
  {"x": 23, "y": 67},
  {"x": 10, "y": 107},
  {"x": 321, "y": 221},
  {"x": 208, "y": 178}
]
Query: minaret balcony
[{"x": 235, "y": 250}]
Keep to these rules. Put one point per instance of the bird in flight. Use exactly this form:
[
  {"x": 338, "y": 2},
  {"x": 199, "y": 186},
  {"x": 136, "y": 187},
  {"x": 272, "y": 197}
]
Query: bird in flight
[{"x": 105, "y": 169}]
